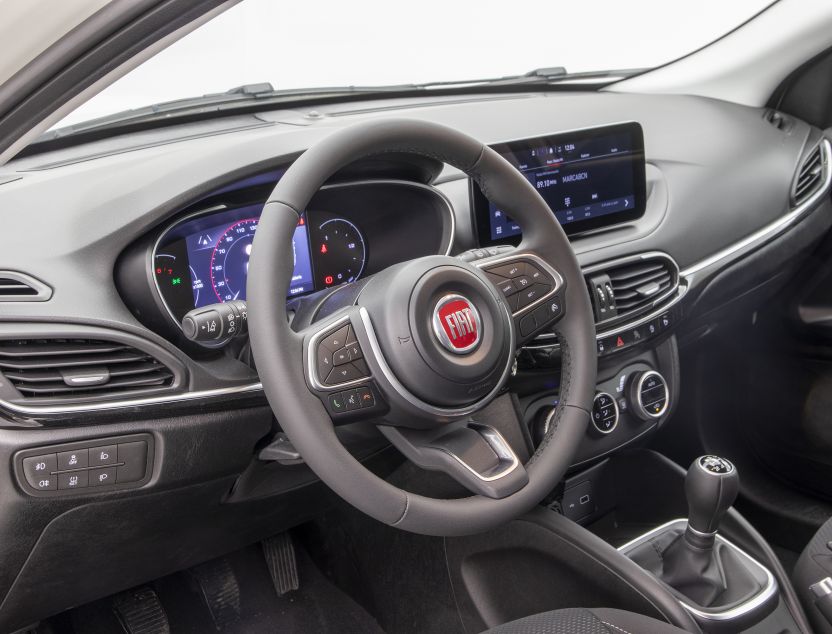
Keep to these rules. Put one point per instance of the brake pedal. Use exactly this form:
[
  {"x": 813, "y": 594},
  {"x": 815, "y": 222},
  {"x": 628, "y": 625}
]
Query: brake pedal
[
  {"x": 140, "y": 612},
  {"x": 283, "y": 565},
  {"x": 220, "y": 590}
]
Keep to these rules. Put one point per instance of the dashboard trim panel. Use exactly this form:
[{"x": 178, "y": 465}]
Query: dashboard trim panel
[{"x": 772, "y": 228}]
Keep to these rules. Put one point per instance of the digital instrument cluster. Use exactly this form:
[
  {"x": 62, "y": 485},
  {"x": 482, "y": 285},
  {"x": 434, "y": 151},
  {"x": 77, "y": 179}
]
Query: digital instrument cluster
[
  {"x": 589, "y": 178},
  {"x": 204, "y": 259}
]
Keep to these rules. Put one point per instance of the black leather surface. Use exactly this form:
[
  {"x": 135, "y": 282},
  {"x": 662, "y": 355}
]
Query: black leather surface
[
  {"x": 278, "y": 351},
  {"x": 584, "y": 621}
]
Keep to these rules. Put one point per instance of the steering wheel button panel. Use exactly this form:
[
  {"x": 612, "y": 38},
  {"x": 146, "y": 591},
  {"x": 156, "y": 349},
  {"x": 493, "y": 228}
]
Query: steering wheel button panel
[{"x": 336, "y": 340}]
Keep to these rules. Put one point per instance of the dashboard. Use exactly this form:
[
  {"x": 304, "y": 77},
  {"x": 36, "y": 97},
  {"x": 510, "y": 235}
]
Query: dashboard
[{"x": 682, "y": 210}]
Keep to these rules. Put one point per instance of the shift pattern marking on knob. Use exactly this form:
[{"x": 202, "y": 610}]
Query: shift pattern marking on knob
[{"x": 715, "y": 465}]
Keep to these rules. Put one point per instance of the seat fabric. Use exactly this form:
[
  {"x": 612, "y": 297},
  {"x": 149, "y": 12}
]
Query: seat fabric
[{"x": 586, "y": 621}]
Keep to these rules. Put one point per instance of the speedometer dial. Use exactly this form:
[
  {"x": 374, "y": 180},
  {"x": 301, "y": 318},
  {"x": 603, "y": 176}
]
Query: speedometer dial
[
  {"x": 340, "y": 253},
  {"x": 229, "y": 260}
]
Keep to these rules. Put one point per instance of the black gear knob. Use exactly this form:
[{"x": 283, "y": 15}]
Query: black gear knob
[{"x": 711, "y": 487}]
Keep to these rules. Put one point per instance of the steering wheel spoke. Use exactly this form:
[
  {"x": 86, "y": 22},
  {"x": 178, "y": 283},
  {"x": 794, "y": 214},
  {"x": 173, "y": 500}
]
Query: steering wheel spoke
[
  {"x": 475, "y": 455},
  {"x": 337, "y": 368},
  {"x": 534, "y": 291}
]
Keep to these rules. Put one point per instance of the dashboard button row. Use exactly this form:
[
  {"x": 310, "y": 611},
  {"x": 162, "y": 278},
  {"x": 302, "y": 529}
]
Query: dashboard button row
[
  {"x": 634, "y": 336},
  {"x": 351, "y": 400},
  {"x": 89, "y": 467}
]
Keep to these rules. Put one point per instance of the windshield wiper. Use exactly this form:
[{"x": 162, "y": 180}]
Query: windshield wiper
[{"x": 264, "y": 93}]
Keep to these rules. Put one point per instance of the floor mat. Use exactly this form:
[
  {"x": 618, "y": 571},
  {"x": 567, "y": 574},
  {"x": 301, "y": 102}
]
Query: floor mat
[{"x": 317, "y": 606}]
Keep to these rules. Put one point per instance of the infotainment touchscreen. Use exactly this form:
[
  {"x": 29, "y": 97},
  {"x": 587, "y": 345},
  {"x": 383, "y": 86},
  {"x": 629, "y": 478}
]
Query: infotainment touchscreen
[{"x": 589, "y": 178}]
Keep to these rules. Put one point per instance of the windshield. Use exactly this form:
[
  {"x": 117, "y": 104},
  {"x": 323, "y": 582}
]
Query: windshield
[{"x": 378, "y": 42}]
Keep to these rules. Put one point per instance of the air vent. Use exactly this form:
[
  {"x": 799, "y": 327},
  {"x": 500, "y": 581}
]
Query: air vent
[
  {"x": 629, "y": 287},
  {"x": 809, "y": 176},
  {"x": 19, "y": 287},
  {"x": 69, "y": 369}
]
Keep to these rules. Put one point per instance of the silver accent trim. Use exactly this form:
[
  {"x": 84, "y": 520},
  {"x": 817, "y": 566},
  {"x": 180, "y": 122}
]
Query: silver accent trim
[
  {"x": 359, "y": 183},
  {"x": 439, "y": 329},
  {"x": 639, "y": 385},
  {"x": 136, "y": 402},
  {"x": 498, "y": 445},
  {"x": 725, "y": 460},
  {"x": 679, "y": 288},
  {"x": 412, "y": 398},
  {"x": 753, "y": 603},
  {"x": 312, "y": 358},
  {"x": 557, "y": 278},
  {"x": 598, "y": 429},
  {"x": 42, "y": 291},
  {"x": 774, "y": 227},
  {"x": 700, "y": 533},
  {"x": 822, "y": 588}
]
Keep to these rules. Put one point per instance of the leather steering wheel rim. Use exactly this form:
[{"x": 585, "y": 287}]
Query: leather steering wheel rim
[{"x": 280, "y": 356}]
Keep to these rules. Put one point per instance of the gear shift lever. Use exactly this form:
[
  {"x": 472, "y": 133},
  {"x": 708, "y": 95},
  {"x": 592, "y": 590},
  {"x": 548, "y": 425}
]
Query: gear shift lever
[
  {"x": 690, "y": 563},
  {"x": 711, "y": 486}
]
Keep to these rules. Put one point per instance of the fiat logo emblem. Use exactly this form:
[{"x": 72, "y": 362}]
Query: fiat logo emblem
[{"x": 457, "y": 324}]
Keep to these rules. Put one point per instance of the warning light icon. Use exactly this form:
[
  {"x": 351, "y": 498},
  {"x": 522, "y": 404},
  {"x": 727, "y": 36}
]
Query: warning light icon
[
  {"x": 324, "y": 249},
  {"x": 619, "y": 342}
]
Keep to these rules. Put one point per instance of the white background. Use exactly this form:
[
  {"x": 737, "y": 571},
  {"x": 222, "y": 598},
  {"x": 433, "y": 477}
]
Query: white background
[{"x": 372, "y": 42}]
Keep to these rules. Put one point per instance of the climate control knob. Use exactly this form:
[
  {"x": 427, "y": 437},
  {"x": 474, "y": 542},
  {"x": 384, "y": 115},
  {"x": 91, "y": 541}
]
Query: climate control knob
[
  {"x": 604, "y": 413},
  {"x": 649, "y": 395}
]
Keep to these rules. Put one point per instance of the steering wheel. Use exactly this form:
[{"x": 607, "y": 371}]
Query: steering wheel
[{"x": 424, "y": 344}]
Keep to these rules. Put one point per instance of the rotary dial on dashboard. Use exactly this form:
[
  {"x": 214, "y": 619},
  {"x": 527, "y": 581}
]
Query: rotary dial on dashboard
[{"x": 340, "y": 252}]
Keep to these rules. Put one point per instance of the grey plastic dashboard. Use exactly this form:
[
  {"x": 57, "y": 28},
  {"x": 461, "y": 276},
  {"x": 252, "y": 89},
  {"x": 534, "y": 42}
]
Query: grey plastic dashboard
[{"x": 719, "y": 181}]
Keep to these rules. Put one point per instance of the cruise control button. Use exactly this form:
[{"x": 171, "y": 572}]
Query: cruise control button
[
  {"x": 351, "y": 400},
  {"x": 100, "y": 456},
  {"x": 38, "y": 472},
  {"x": 523, "y": 282},
  {"x": 340, "y": 357},
  {"x": 102, "y": 477},
  {"x": 337, "y": 339},
  {"x": 507, "y": 287},
  {"x": 77, "y": 459},
  {"x": 73, "y": 480},
  {"x": 552, "y": 309},
  {"x": 532, "y": 294},
  {"x": 511, "y": 270},
  {"x": 536, "y": 275},
  {"x": 344, "y": 373}
]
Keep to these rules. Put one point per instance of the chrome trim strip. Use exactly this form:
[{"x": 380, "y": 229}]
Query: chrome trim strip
[
  {"x": 753, "y": 603},
  {"x": 402, "y": 391},
  {"x": 498, "y": 445},
  {"x": 136, "y": 402},
  {"x": 43, "y": 292},
  {"x": 681, "y": 290},
  {"x": 776, "y": 226}
]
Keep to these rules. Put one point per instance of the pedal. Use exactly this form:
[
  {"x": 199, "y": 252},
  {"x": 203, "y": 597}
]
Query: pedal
[
  {"x": 141, "y": 612},
  {"x": 282, "y": 563},
  {"x": 220, "y": 590}
]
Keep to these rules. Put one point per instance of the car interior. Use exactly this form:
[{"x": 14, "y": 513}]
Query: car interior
[{"x": 541, "y": 354}]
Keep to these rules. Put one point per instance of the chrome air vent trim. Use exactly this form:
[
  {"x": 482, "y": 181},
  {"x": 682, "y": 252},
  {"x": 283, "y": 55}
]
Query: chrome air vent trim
[{"x": 20, "y": 287}]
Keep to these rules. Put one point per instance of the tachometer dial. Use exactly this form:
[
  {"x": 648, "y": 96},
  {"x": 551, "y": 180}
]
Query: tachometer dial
[
  {"x": 229, "y": 260},
  {"x": 340, "y": 253}
]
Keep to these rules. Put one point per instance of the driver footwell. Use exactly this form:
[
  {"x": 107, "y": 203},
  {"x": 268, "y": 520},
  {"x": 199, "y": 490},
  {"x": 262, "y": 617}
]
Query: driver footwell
[{"x": 234, "y": 594}]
